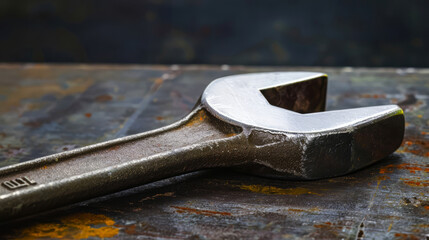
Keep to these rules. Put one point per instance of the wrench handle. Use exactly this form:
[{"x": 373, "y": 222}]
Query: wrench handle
[{"x": 197, "y": 142}]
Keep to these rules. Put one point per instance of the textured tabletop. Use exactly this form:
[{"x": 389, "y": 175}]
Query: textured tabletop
[{"x": 46, "y": 109}]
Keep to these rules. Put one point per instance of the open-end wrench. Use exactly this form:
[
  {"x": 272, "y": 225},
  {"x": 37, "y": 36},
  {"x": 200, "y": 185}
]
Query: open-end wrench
[{"x": 268, "y": 124}]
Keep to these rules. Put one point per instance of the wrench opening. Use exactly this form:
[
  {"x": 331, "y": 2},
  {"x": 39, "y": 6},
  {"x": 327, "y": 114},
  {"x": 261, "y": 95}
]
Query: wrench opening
[{"x": 302, "y": 97}]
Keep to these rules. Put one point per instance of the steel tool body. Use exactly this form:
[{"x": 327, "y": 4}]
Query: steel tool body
[{"x": 270, "y": 124}]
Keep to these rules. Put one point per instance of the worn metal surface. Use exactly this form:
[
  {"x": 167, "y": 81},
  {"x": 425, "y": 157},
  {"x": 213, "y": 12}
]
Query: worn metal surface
[
  {"x": 292, "y": 145},
  {"x": 46, "y": 109},
  {"x": 260, "y": 135}
]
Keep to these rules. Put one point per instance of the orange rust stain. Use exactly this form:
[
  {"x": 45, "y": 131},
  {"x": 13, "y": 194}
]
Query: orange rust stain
[
  {"x": 390, "y": 227},
  {"x": 130, "y": 229},
  {"x": 315, "y": 209},
  {"x": 406, "y": 236},
  {"x": 88, "y": 115},
  {"x": 159, "y": 118},
  {"x": 412, "y": 168},
  {"x": 427, "y": 208},
  {"x": 38, "y": 71},
  {"x": 200, "y": 212},
  {"x": 386, "y": 169},
  {"x": 103, "y": 98},
  {"x": 381, "y": 178},
  {"x": 231, "y": 134},
  {"x": 34, "y": 106},
  {"x": 329, "y": 230},
  {"x": 417, "y": 182},
  {"x": 114, "y": 148},
  {"x": 296, "y": 210},
  {"x": 373, "y": 96},
  {"x": 327, "y": 225},
  {"x": 15, "y": 95},
  {"x": 197, "y": 119},
  {"x": 324, "y": 224},
  {"x": 416, "y": 146},
  {"x": 167, "y": 194},
  {"x": 276, "y": 190},
  {"x": 76, "y": 226},
  {"x": 157, "y": 82}
]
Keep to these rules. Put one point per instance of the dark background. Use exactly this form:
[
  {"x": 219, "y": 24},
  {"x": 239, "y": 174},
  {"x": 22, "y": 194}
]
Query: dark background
[{"x": 306, "y": 33}]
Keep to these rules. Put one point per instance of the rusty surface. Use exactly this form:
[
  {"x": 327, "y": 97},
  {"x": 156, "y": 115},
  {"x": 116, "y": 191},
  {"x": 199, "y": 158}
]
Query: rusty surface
[{"x": 52, "y": 108}]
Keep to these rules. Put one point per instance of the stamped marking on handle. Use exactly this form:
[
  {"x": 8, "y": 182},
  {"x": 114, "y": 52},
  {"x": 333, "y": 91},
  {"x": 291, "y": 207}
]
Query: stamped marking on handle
[{"x": 18, "y": 183}]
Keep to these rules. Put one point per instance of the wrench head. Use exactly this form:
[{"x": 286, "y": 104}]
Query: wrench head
[{"x": 289, "y": 136}]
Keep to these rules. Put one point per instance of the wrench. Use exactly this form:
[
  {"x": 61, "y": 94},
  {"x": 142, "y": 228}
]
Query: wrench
[{"x": 268, "y": 124}]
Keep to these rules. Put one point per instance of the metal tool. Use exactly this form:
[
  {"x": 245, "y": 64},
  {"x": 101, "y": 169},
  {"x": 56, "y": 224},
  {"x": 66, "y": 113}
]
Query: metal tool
[{"x": 268, "y": 124}]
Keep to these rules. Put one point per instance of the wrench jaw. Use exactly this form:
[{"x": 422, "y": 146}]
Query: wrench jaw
[
  {"x": 284, "y": 143},
  {"x": 336, "y": 154},
  {"x": 326, "y": 154}
]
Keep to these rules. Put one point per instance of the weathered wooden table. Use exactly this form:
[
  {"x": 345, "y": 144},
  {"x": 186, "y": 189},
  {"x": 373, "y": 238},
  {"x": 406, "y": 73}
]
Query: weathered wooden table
[{"x": 52, "y": 108}]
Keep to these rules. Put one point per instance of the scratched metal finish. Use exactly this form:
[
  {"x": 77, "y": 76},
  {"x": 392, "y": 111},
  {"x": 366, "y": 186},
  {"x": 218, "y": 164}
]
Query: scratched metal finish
[{"x": 51, "y": 108}]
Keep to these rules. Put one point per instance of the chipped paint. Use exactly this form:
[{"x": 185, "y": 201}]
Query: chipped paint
[{"x": 76, "y": 226}]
